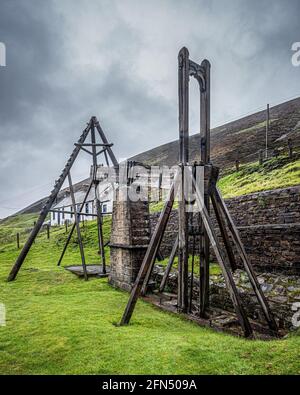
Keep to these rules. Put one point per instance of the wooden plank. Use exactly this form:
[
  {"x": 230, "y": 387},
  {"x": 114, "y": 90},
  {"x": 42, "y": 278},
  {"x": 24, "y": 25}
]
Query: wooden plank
[
  {"x": 150, "y": 254},
  {"x": 77, "y": 227},
  {"x": 169, "y": 266},
  {"x": 205, "y": 158},
  {"x": 74, "y": 224},
  {"x": 104, "y": 139},
  {"x": 183, "y": 107},
  {"x": 192, "y": 275},
  {"x": 45, "y": 210},
  {"x": 224, "y": 234},
  {"x": 247, "y": 265},
  {"x": 236, "y": 300},
  {"x": 98, "y": 206}
]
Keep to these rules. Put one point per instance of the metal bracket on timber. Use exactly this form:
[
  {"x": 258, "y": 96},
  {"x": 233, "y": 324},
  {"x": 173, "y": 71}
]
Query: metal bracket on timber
[
  {"x": 92, "y": 125},
  {"x": 204, "y": 191}
]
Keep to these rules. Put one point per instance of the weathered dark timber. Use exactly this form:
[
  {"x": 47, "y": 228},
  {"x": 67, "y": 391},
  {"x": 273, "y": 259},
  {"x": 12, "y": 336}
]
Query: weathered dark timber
[
  {"x": 192, "y": 275},
  {"x": 183, "y": 107},
  {"x": 76, "y": 217},
  {"x": 169, "y": 266},
  {"x": 224, "y": 234},
  {"x": 74, "y": 225},
  {"x": 98, "y": 207},
  {"x": 203, "y": 78},
  {"x": 149, "y": 272},
  {"x": 150, "y": 254},
  {"x": 204, "y": 192},
  {"x": 45, "y": 210},
  {"x": 222, "y": 226},
  {"x": 103, "y": 137},
  {"x": 247, "y": 265},
  {"x": 267, "y": 128},
  {"x": 236, "y": 300}
]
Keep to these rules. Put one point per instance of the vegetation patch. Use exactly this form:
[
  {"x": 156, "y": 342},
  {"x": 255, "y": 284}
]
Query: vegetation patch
[
  {"x": 275, "y": 173},
  {"x": 59, "y": 324}
]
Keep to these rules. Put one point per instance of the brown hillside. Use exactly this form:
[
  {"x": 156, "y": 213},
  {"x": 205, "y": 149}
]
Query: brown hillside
[{"x": 241, "y": 139}]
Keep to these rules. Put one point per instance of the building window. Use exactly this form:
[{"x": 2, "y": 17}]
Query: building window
[
  {"x": 86, "y": 208},
  {"x": 71, "y": 214},
  {"x": 63, "y": 213},
  {"x": 104, "y": 208}
]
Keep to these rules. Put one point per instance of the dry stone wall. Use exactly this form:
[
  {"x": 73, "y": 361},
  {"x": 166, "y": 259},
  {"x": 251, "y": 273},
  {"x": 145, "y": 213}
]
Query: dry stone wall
[{"x": 269, "y": 224}]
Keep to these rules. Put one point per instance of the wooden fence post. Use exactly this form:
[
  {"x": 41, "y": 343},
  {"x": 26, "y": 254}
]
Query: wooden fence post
[
  {"x": 237, "y": 165},
  {"x": 34, "y": 227},
  {"x": 18, "y": 240},
  {"x": 48, "y": 231},
  {"x": 290, "y": 147},
  {"x": 260, "y": 156}
]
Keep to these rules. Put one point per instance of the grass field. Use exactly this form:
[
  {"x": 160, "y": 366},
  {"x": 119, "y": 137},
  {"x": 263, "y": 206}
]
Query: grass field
[{"x": 59, "y": 324}]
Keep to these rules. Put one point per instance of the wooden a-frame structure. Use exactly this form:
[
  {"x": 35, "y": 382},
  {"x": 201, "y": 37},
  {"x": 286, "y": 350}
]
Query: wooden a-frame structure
[
  {"x": 90, "y": 148},
  {"x": 200, "y": 223}
]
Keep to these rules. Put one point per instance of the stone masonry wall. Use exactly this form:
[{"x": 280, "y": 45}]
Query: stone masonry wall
[{"x": 269, "y": 225}]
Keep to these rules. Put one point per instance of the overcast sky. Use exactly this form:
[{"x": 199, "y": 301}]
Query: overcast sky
[{"x": 68, "y": 60}]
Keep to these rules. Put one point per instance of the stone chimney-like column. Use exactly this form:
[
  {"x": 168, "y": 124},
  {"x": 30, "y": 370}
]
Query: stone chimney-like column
[{"x": 129, "y": 240}]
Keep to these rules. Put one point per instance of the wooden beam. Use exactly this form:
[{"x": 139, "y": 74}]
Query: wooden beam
[
  {"x": 169, "y": 266},
  {"x": 74, "y": 224},
  {"x": 183, "y": 107},
  {"x": 236, "y": 300},
  {"x": 150, "y": 254},
  {"x": 247, "y": 265},
  {"x": 98, "y": 207},
  {"x": 104, "y": 139},
  {"x": 77, "y": 227},
  {"x": 205, "y": 159},
  {"x": 45, "y": 210}
]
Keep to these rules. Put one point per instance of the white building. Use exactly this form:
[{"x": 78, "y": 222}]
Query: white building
[{"x": 64, "y": 208}]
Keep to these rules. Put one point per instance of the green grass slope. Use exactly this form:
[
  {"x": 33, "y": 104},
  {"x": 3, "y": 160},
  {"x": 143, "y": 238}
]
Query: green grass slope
[
  {"x": 59, "y": 324},
  {"x": 275, "y": 173}
]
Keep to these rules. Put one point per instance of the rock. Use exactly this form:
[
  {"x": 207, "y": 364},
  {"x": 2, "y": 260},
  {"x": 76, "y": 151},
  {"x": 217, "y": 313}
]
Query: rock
[
  {"x": 266, "y": 287},
  {"x": 260, "y": 280},
  {"x": 279, "y": 289},
  {"x": 279, "y": 299}
]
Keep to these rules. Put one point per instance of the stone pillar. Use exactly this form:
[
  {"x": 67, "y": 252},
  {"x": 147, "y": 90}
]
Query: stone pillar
[{"x": 129, "y": 240}]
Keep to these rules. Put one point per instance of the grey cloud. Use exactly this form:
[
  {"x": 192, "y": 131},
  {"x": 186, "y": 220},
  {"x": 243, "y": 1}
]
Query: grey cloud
[{"x": 67, "y": 61}]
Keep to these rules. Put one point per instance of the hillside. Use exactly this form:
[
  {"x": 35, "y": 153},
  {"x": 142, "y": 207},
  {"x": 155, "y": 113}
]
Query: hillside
[{"x": 240, "y": 139}]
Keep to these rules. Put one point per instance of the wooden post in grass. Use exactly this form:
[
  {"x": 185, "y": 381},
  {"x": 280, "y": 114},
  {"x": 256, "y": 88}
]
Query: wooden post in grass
[
  {"x": 18, "y": 240},
  {"x": 34, "y": 223},
  {"x": 237, "y": 165},
  {"x": 260, "y": 156},
  {"x": 290, "y": 148},
  {"x": 48, "y": 231},
  {"x": 267, "y": 128}
]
